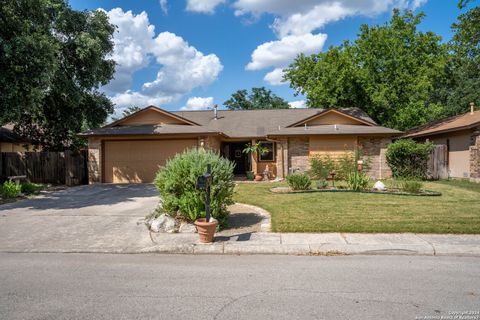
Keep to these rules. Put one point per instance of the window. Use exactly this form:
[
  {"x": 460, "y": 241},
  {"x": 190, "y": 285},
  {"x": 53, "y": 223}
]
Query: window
[{"x": 270, "y": 154}]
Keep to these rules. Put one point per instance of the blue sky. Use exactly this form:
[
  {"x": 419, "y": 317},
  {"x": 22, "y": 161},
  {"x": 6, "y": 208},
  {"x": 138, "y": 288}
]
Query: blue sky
[{"x": 192, "y": 54}]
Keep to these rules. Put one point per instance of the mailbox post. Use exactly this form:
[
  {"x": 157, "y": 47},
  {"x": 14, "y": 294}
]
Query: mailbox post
[
  {"x": 205, "y": 227},
  {"x": 203, "y": 183}
]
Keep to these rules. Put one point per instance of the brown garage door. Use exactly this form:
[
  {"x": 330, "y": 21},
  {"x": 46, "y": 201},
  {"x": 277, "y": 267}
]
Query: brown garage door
[{"x": 137, "y": 161}]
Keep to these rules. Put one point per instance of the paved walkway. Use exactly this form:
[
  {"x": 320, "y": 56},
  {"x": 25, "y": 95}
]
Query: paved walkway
[{"x": 109, "y": 218}]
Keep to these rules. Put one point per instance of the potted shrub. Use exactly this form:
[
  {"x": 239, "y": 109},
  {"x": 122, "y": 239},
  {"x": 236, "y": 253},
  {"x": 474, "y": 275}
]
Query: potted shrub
[
  {"x": 257, "y": 148},
  {"x": 178, "y": 187}
]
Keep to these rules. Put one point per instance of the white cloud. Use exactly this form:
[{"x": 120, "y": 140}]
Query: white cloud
[
  {"x": 184, "y": 67},
  {"x": 275, "y": 77},
  {"x": 132, "y": 42},
  {"x": 203, "y": 6},
  {"x": 283, "y": 51},
  {"x": 198, "y": 103},
  {"x": 305, "y": 16},
  {"x": 164, "y": 6},
  {"x": 298, "y": 104},
  {"x": 317, "y": 17},
  {"x": 133, "y": 98},
  {"x": 280, "y": 53},
  {"x": 296, "y": 23},
  {"x": 181, "y": 67}
]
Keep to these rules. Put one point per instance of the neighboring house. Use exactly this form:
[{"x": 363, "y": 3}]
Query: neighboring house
[
  {"x": 461, "y": 135},
  {"x": 132, "y": 149},
  {"x": 12, "y": 142}
]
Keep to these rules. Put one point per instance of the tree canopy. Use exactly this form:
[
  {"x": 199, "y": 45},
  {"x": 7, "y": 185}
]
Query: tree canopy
[
  {"x": 259, "y": 98},
  {"x": 464, "y": 81},
  {"x": 390, "y": 71},
  {"x": 53, "y": 61}
]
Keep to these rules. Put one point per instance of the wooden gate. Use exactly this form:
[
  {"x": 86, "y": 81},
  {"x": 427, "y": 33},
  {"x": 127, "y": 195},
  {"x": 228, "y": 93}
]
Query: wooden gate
[
  {"x": 67, "y": 167},
  {"x": 437, "y": 165}
]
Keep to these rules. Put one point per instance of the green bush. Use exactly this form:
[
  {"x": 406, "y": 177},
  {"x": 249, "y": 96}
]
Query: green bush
[
  {"x": 412, "y": 186},
  {"x": 29, "y": 188},
  {"x": 408, "y": 159},
  {"x": 298, "y": 181},
  {"x": 10, "y": 189},
  {"x": 346, "y": 165},
  {"x": 358, "y": 181},
  {"x": 322, "y": 184},
  {"x": 321, "y": 166},
  {"x": 177, "y": 181}
]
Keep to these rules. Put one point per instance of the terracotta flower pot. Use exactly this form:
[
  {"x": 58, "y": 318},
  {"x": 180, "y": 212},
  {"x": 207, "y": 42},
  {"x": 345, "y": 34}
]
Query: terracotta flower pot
[
  {"x": 206, "y": 230},
  {"x": 258, "y": 177}
]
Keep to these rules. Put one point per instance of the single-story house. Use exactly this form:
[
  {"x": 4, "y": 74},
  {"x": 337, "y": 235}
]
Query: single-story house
[
  {"x": 12, "y": 142},
  {"x": 461, "y": 136},
  {"x": 132, "y": 149}
]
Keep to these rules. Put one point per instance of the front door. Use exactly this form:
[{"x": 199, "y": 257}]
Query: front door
[{"x": 239, "y": 157}]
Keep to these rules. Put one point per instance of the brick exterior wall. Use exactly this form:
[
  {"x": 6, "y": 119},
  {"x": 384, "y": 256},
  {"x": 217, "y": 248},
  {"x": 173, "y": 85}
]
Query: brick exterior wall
[
  {"x": 298, "y": 154},
  {"x": 282, "y": 158},
  {"x": 94, "y": 160},
  {"x": 375, "y": 150},
  {"x": 475, "y": 158},
  {"x": 295, "y": 156}
]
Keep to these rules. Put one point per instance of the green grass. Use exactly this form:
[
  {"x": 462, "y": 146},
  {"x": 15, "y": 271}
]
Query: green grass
[{"x": 456, "y": 211}]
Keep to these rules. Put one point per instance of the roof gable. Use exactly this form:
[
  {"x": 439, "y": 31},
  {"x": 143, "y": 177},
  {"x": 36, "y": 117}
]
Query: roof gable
[
  {"x": 150, "y": 116},
  {"x": 330, "y": 117},
  {"x": 455, "y": 123}
]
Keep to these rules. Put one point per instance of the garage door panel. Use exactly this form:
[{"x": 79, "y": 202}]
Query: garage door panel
[{"x": 138, "y": 161}]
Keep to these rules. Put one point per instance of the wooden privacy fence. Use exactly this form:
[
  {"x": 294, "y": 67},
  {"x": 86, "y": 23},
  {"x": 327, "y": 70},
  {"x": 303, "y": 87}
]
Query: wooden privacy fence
[
  {"x": 437, "y": 165},
  {"x": 67, "y": 167}
]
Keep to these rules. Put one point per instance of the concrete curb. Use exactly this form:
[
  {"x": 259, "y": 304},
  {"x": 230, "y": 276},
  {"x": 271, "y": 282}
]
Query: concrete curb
[{"x": 325, "y": 249}]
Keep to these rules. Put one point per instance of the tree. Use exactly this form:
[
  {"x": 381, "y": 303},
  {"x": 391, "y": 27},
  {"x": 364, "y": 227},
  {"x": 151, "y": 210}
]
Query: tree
[
  {"x": 259, "y": 98},
  {"x": 390, "y": 71},
  {"x": 465, "y": 61},
  {"x": 53, "y": 61},
  {"x": 127, "y": 112}
]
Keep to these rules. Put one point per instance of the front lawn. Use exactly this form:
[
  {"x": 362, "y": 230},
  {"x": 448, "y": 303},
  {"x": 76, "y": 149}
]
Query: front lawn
[{"x": 456, "y": 211}]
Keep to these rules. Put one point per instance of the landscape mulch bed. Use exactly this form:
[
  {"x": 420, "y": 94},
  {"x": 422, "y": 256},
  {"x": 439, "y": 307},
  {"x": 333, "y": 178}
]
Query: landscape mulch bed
[{"x": 398, "y": 192}]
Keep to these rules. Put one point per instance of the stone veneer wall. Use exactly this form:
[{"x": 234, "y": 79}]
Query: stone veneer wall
[
  {"x": 475, "y": 158},
  {"x": 298, "y": 154},
  {"x": 94, "y": 160},
  {"x": 375, "y": 149}
]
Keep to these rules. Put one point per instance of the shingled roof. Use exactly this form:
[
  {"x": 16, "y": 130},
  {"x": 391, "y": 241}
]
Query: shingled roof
[
  {"x": 7, "y": 135},
  {"x": 455, "y": 123},
  {"x": 248, "y": 124}
]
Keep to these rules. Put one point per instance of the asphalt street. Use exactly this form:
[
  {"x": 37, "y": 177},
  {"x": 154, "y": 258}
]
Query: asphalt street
[{"x": 149, "y": 286}]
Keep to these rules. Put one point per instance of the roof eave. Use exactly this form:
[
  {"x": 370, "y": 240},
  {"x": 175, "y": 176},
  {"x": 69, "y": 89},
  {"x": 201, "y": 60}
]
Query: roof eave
[{"x": 433, "y": 133}]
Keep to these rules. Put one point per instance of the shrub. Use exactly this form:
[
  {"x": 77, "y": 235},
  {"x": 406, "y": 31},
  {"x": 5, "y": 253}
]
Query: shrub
[
  {"x": 29, "y": 188},
  {"x": 408, "y": 159},
  {"x": 322, "y": 184},
  {"x": 10, "y": 189},
  {"x": 358, "y": 181},
  {"x": 177, "y": 181},
  {"x": 412, "y": 186},
  {"x": 346, "y": 164},
  {"x": 299, "y": 181},
  {"x": 321, "y": 166}
]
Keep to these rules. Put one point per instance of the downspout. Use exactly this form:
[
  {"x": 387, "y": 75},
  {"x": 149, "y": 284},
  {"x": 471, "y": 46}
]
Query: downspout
[{"x": 283, "y": 157}]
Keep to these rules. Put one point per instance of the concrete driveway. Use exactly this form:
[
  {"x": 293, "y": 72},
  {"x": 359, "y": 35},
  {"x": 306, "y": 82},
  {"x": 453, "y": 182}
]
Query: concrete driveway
[{"x": 93, "y": 218}]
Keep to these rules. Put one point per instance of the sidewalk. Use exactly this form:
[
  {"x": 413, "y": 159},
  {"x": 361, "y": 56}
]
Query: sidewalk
[{"x": 321, "y": 244}]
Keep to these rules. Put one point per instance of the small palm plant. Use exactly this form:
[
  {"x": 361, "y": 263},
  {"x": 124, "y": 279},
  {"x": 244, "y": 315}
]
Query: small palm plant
[{"x": 254, "y": 148}]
